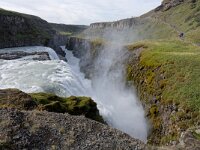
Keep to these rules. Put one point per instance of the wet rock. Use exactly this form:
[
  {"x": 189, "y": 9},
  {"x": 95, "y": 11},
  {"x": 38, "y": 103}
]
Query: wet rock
[{"x": 21, "y": 54}]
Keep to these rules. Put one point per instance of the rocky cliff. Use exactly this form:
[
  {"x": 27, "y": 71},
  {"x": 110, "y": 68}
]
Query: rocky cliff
[
  {"x": 167, "y": 4},
  {"x": 44, "y": 130},
  {"x": 87, "y": 51},
  {"x": 23, "y": 126},
  {"x": 132, "y": 22},
  {"x": 125, "y": 23},
  {"x": 18, "y": 30},
  {"x": 167, "y": 21}
]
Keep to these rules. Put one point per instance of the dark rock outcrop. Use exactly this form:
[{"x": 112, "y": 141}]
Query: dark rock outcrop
[
  {"x": 125, "y": 23},
  {"x": 18, "y": 30},
  {"x": 167, "y": 4},
  {"x": 87, "y": 51},
  {"x": 45, "y": 130},
  {"x": 78, "y": 46},
  {"x": 20, "y": 54},
  {"x": 13, "y": 98}
]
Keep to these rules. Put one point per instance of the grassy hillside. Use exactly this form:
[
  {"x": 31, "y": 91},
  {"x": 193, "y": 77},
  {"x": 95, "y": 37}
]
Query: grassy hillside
[
  {"x": 157, "y": 24},
  {"x": 167, "y": 72},
  {"x": 167, "y": 78},
  {"x": 182, "y": 18}
]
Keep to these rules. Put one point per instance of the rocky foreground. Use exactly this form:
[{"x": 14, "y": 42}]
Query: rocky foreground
[
  {"x": 43, "y": 121},
  {"x": 45, "y": 130},
  {"x": 26, "y": 122}
]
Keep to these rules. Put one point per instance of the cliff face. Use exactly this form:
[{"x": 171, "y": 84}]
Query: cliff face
[
  {"x": 121, "y": 24},
  {"x": 22, "y": 30},
  {"x": 167, "y": 21},
  {"x": 68, "y": 29},
  {"x": 132, "y": 22},
  {"x": 86, "y": 50},
  {"x": 18, "y": 30}
]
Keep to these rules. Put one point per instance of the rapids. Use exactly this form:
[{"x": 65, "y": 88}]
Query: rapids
[{"x": 119, "y": 106}]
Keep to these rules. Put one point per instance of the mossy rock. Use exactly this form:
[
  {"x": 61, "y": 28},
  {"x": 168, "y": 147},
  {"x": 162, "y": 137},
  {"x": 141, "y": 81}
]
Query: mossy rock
[
  {"x": 72, "y": 105},
  {"x": 45, "y": 98},
  {"x": 14, "y": 98},
  {"x": 54, "y": 107}
]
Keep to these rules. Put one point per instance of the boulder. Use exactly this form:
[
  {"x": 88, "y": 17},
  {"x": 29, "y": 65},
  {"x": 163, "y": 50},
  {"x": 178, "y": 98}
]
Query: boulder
[{"x": 13, "y": 98}]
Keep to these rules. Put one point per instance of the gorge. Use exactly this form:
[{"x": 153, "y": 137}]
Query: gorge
[
  {"x": 68, "y": 86},
  {"x": 65, "y": 79}
]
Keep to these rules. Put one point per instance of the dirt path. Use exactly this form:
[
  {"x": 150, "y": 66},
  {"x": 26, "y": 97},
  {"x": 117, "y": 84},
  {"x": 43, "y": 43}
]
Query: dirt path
[{"x": 175, "y": 29}]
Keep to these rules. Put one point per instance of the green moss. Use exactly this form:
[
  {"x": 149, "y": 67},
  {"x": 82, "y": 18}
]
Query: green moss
[
  {"x": 95, "y": 46},
  {"x": 66, "y": 33},
  {"x": 72, "y": 105},
  {"x": 135, "y": 46},
  {"x": 45, "y": 98},
  {"x": 83, "y": 105},
  {"x": 129, "y": 73},
  {"x": 196, "y": 135},
  {"x": 153, "y": 111},
  {"x": 168, "y": 138},
  {"x": 55, "y": 107}
]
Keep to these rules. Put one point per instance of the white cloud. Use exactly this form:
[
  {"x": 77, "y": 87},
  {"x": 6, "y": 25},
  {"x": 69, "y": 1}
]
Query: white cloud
[{"x": 81, "y": 11}]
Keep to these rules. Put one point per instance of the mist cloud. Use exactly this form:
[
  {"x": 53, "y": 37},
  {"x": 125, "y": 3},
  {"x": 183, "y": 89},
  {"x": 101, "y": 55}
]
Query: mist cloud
[{"x": 81, "y": 11}]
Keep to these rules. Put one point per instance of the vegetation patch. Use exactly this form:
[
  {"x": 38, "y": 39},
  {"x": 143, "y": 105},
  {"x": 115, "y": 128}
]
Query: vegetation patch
[
  {"x": 72, "y": 105},
  {"x": 166, "y": 74},
  {"x": 14, "y": 98}
]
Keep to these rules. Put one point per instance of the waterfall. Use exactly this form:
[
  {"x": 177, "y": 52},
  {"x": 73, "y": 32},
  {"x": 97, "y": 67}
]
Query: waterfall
[{"x": 119, "y": 106}]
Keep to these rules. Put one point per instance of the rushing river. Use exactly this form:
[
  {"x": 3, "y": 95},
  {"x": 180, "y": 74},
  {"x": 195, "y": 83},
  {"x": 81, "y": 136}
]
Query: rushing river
[{"x": 119, "y": 106}]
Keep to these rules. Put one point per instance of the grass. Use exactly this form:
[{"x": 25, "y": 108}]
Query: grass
[
  {"x": 180, "y": 63},
  {"x": 185, "y": 18},
  {"x": 169, "y": 73},
  {"x": 196, "y": 135},
  {"x": 66, "y": 33}
]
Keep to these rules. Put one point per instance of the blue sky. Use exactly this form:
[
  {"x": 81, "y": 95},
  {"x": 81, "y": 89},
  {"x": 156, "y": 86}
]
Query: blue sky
[{"x": 81, "y": 11}]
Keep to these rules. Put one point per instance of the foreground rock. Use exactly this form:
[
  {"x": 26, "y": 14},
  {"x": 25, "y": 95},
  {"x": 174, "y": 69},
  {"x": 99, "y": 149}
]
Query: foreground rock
[
  {"x": 14, "y": 98},
  {"x": 45, "y": 130}
]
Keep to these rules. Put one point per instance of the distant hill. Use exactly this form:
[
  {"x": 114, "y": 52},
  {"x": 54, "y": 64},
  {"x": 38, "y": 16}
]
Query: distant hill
[
  {"x": 68, "y": 29},
  {"x": 17, "y": 29},
  {"x": 167, "y": 21}
]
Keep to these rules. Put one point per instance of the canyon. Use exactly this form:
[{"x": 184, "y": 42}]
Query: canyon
[{"x": 138, "y": 75}]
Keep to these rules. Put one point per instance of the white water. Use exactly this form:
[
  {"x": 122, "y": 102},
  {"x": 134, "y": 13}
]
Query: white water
[{"x": 118, "y": 105}]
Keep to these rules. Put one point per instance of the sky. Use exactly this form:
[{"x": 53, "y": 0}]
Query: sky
[{"x": 81, "y": 11}]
